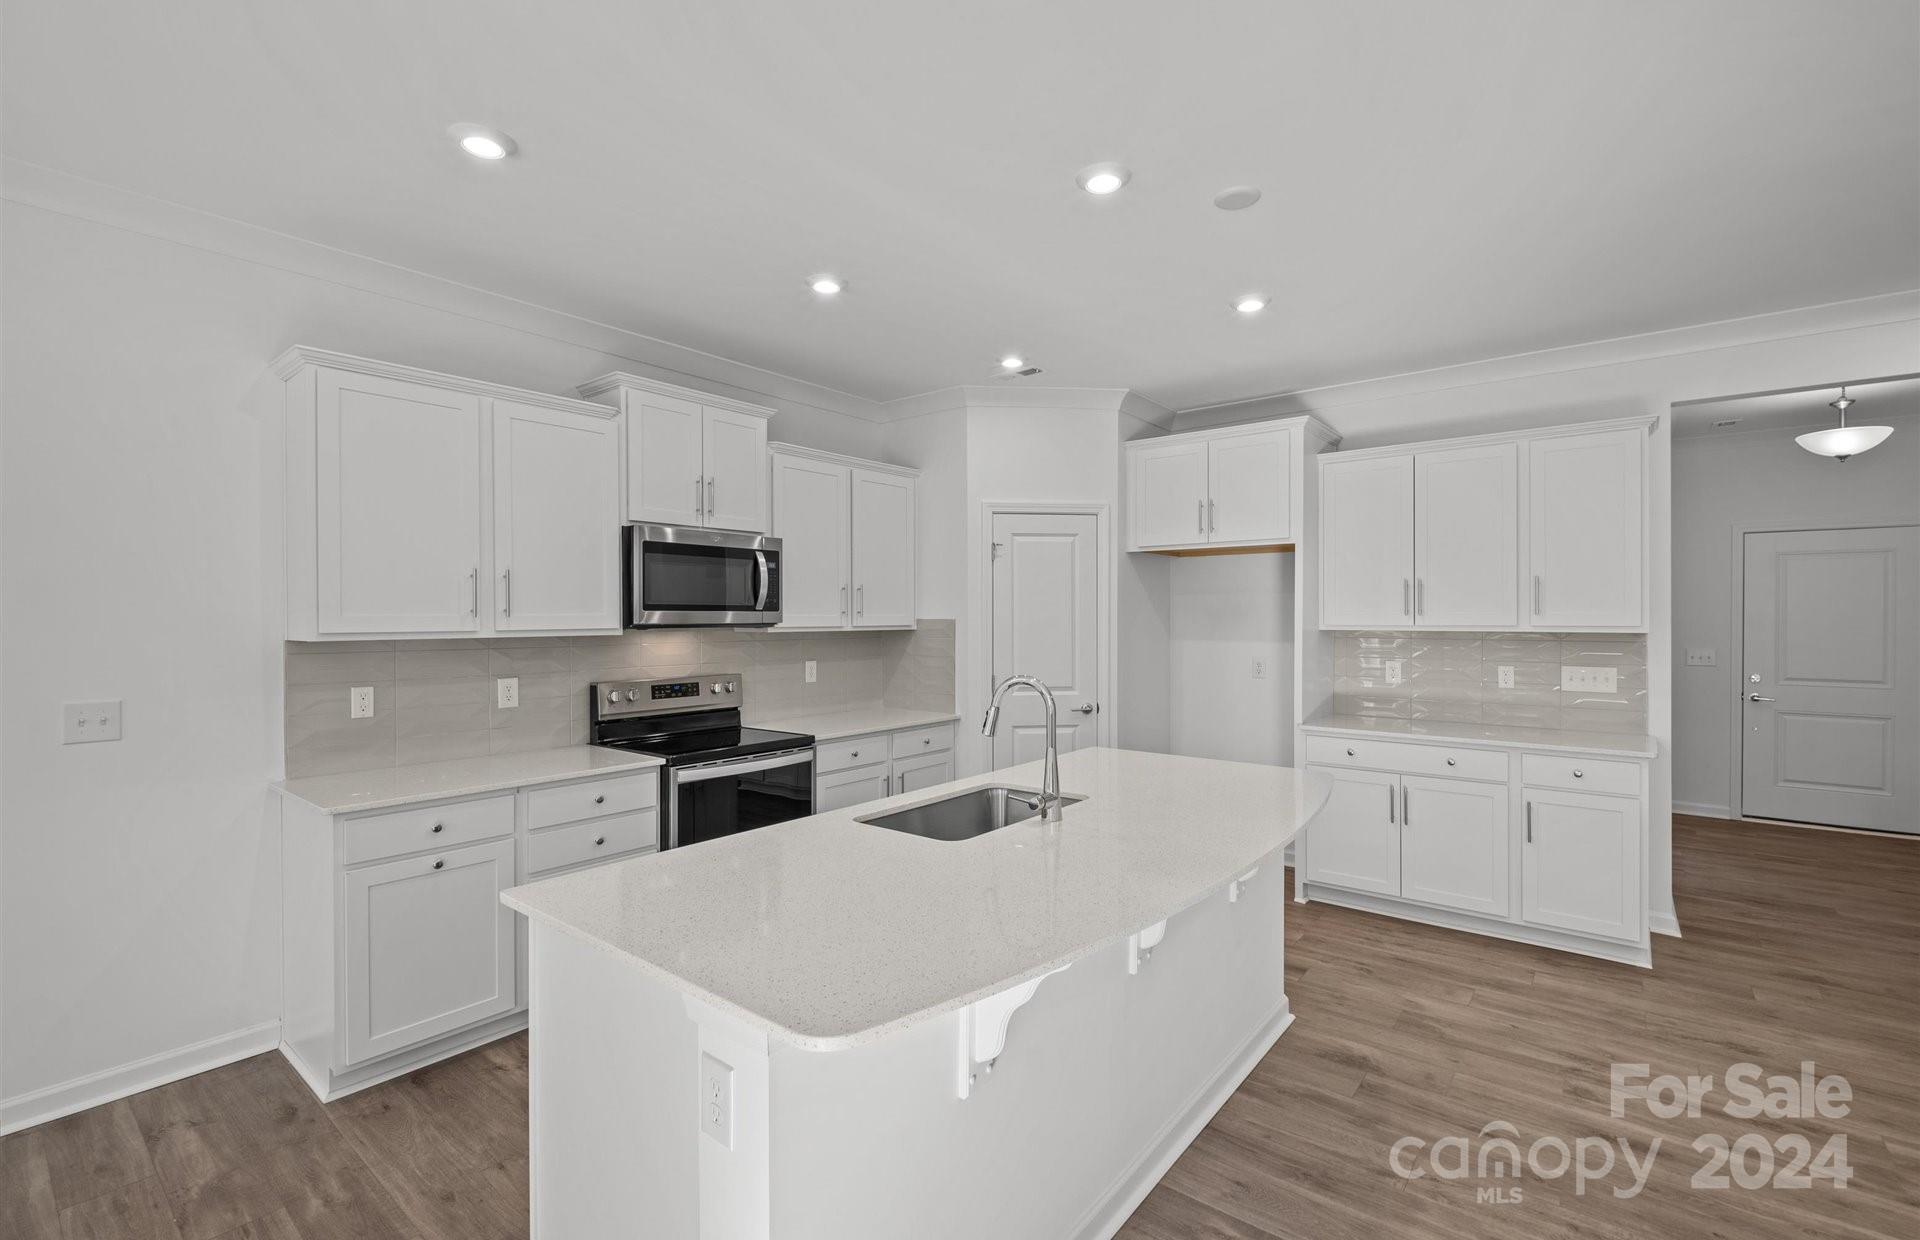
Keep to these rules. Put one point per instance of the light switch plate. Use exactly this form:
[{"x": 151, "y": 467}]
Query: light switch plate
[
  {"x": 507, "y": 692},
  {"x": 1700, "y": 658},
  {"x": 1588, "y": 680},
  {"x": 84, "y": 722},
  {"x": 716, "y": 1099},
  {"x": 360, "y": 702}
]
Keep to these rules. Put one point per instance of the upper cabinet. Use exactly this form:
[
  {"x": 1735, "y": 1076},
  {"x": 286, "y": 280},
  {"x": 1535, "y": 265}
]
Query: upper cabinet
[
  {"x": 1234, "y": 487},
  {"x": 1545, "y": 530},
  {"x": 847, "y": 531},
  {"x": 692, "y": 458},
  {"x": 427, "y": 505}
]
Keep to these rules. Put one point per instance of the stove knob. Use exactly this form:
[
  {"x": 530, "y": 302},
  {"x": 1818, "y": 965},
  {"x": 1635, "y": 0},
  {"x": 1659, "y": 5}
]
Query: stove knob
[
  {"x": 613, "y": 695},
  {"x": 718, "y": 687},
  {"x": 733, "y": 686},
  {"x": 633, "y": 695}
]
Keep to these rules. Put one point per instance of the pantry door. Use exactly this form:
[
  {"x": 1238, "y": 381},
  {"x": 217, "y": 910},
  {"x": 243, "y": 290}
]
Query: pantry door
[
  {"x": 1046, "y": 624},
  {"x": 1830, "y": 691}
]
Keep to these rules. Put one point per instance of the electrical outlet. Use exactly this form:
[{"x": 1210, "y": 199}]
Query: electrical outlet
[
  {"x": 85, "y": 722},
  {"x": 1393, "y": 671},
  {"x": 1588, "y": 680},
  {"x": 716, "y": 1100},
  {"x": 813, "y": 670},
  {"x": 1506, "y": 675},
  {"x": 360, "y": 702},
  {"x": 1259, "y": 668},
  {"x": 507, "y": 692},
  {"x": 1700, "y": 658}
]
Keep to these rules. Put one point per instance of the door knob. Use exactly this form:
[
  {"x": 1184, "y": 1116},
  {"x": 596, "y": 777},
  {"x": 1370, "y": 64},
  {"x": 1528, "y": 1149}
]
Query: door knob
[
  {"x": 1088, "y": 709},
  {"x": 1754, "y": 697}
]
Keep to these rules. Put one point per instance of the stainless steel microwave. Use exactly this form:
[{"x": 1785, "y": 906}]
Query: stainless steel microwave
[{"x": 678, "y": 575}]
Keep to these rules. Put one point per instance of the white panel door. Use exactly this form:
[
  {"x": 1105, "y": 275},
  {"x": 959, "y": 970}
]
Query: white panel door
[
  {"x": 666, "y": 479},
  {"x": 922, "y": 771},
  {"x": 1585, "y": 522},
  {"x": 735, "y": 449},
  {"x": 556, "y": 519},
  {"x": 1453, "y": 844},
  {"x": 1831, "y": 689},
  {"x": 1466, "y": 537},
  {"x": 1250, "y": 488},
  {"x": 429, "y": 946},
  {"x": 1355, "y": 841},
  {"x": 398, "y": 477},
  {"x": 1046, "y": 624},
  {"x": 1366, "y": 543},
  {"x": 883, "y": 550},
  {"x": 1167, "y": 495},
  {"x": 810, "y": 511},
  {"x": 1581, "y": 863},
  {"x": 846, "y": 789}
]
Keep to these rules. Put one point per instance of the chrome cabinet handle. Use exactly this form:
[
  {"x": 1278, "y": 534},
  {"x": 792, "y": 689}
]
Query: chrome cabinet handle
[
  {"x": 440, "y": 865},
  {"x": 1406, "y": 807},
  {"x": 699, "y": 496},
  {"x": 1754, "y": 697},
  {"x": 1406, "y": 596},
  {"x": 1529, "y": 822},
  {"x": 886, "y": 785},
  {"x": 709, "y": 498},
  {"x": 1451, "y": 762},
  {"x": 506, "y": 579},
  {"x": 438, "y": 827},
  {"x": 1349, "y": 753},
  {"x": 1391, "y": 819},
  {"x": 860, "y": 594},
  {"x": 599, "y": 840},
  {"x": 1200, "y": 516},
  {"x": 854, "y": 754},
  {"x": 1579, "y": 774},
  {"x": 1212, "y": 524},
  {"x": 601, "y": 799},
  {"x": 473, "y": 580},
  {"x": 1536, "y": 594},
  {"x": 926, "y": 740},
  {"x": 1419, "y": 596},
  {"x": 843, "y": 600}
]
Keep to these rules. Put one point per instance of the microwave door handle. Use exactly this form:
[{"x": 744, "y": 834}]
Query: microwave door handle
[
  {"x": 727, "y": 770},
  {"x": 766, "y": 580}
]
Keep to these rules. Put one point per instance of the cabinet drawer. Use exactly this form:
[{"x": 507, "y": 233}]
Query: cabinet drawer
[
  {"x": 1362, "y": 753},
  {"x": 935, "y": 738},
  {"x": 433, "y": 826},
  {"x": 589, "y": 841},
  {"x": 548, "y": 807},
  {"x": 1541, "y": 770},
  {"x": 852, "y": 751}
]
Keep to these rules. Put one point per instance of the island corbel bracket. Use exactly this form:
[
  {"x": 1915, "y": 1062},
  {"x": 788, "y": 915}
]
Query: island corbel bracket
[
  {"x": 1140, "y": 946},
  {"x": 983, "y": 1030},
  {"x": 1239, "y": 885}
]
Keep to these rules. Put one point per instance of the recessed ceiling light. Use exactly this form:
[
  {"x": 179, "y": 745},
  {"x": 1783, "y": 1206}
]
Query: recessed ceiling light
[
  {"x": 1103, "y": 179},
  {"x": 826, "y": 286},
  {"x": 1252, "y": 303},
  {"x": 1012, "y": 361},
  {"x": 483, "y": 143},
  {"x": 1237, "y": 197}
]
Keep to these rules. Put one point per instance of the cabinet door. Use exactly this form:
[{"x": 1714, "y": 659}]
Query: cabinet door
[
  {"x": 556, "y": 519},
  {"x": 883, "y": 550},
  {"x": 1453, "y": 844},
  {"x": 1167, "y": 495},
  {"x": 1466, "y": 537},
  {"x": 1355, "y": 840},
  {"x": 666, "y": 480},
  {"x": 398, "y": 480},
  {"x": 429, "y": 947},
  {"x": 735, "y": 449},
  {"x": 845, "y": 789},
  {"x": 810, "y": 511},
  {"x": 1581, "y": 866},
  {"x": 1250, "y": 487},
  {"x": 922, "y": 771},
  {"x": 1366, "y": 543},
  {"x": 1585, "y": 515}
]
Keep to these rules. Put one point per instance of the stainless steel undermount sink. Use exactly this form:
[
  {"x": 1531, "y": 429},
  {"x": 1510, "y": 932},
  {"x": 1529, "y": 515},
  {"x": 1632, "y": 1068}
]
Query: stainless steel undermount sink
[{"x": 964, "y": 815}]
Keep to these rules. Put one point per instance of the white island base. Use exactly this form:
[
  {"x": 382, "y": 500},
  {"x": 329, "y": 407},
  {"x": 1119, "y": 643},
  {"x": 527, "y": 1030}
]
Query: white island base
[{"x": 1105, "y": 1076}]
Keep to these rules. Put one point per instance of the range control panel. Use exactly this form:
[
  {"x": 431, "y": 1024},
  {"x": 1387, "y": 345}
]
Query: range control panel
[{"x": 620, "y": 698}]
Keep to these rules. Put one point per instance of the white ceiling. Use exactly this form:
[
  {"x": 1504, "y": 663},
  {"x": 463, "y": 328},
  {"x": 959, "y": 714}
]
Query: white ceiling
[
  {"x": 1877, "y": 404},
  {"x": 1444, "y": 182}
]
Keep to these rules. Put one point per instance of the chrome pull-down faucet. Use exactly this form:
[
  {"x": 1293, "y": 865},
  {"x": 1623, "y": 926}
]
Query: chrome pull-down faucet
[{"x": 1049, "y": 806}]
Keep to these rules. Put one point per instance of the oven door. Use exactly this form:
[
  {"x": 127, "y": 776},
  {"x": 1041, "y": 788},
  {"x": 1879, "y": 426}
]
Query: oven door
[
  {"x": 678, "y": 575},
  {"x": 726, "y": 798}
]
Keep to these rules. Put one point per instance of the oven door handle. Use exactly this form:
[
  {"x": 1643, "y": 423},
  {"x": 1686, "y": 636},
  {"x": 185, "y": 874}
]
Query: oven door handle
[
  {"x": 726, "y": 770},
  {"x": 766, "y": 580}
]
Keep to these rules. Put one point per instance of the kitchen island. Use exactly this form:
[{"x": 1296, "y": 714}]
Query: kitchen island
[{"x": 826, "y": 1028}]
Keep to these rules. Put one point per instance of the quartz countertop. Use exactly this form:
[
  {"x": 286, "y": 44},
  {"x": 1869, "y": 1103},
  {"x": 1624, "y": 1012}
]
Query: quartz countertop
[
  {"x": 854, "y": 721},
  {"x": 355, "y": 791},
  {"x": 1546, "y": 740},
  {"x": 827, "y": 932}
]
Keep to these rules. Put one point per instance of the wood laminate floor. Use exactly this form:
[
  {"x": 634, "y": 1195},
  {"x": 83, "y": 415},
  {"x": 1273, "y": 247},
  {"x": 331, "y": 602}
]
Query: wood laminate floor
[{"x": 1800, "y": 945}]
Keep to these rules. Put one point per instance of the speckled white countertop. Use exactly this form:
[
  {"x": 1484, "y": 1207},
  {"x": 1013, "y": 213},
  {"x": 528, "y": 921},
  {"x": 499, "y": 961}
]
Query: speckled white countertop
[
  {"x": 854, "y": 721},
  {"x": 431, "y": 781},
  {"x": 827, "y": 932},
  {"x": 1546, "y": 740}
]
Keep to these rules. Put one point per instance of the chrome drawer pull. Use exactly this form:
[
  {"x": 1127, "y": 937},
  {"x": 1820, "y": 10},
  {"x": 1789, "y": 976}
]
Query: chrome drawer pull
[
  {"x": 440, "y": 865},
  {"x": 438, "y": 827},
  {"x": 599, "y": 840},
  {"x": 1349, "y": 753},
  {"x": 1579, "y": 774},
  {"x": 601, "y": 799},
  {"x": 1450, "y": 762}
]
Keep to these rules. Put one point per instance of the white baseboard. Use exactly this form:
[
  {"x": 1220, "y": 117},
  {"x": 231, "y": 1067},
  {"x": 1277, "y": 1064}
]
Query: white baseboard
[
  {"x": 54, "y": 1101},
  {"x": 1700, "y": 810},
  {"x": 1664, "y": 923}
]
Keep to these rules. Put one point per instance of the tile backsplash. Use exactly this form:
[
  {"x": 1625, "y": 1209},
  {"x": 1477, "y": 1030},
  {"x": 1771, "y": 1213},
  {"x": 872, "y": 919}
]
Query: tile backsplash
[
  {"x": 434, "y": 700},
  {"x": 1456, "y": 677}
]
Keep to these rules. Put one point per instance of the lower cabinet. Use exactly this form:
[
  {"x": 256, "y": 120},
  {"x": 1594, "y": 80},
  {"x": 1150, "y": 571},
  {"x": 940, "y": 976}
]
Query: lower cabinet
[
  {"x": 922, "y": 771},
  {"x": 1582, "y": 862},
  {"x": 853, "y": 770},
  {"x": 1356, "y": 839},
  {"x": 845, "y": 789},
  {"x": 1438, "y": 841}
]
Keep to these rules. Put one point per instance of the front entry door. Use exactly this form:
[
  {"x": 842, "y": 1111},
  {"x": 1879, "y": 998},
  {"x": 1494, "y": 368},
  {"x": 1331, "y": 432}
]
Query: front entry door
[
  {"x": 1046, "y": 624},
  {"x": 1830, "y": 695}
]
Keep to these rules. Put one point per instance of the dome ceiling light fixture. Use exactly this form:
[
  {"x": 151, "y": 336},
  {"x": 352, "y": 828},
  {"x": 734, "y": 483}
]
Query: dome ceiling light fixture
[{"x": 1843, "y": 441}]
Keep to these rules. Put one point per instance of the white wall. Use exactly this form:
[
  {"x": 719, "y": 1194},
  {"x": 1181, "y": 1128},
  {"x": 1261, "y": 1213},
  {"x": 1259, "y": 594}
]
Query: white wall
[
  {"x": 1726, "y": 483},
  {"x": 1143, "y": 625},
  {"x": 1644, "y": 374},
  {"x": 139, "y": 897},
  {"x": 1228, "y": 610}
]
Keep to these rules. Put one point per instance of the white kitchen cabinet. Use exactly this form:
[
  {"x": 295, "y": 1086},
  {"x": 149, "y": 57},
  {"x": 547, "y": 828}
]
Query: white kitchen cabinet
[
  {"x": 415, "y": 503},
  {"x": 1366, "y": 542},
  {"x": 1453, "y": 843},
  {"x": 1581, "y": 863},
  {"x": 1466, "y": 531},
  {"x": 848, "y": 788},
  {"x": 852, "y": 770},
  {"x": 847, "y": 538},
  {"x": 1586, "y": 523},
  {"x": 1167, "y": 494},
  {"x": 1356, "y": 838},
  {"x": 922, "y": 771},
  {"x": 556, "y": 519},
  {"x": 692, "y": 458},
  {"x": 1250, "y": 486},
  {"x": 1233, "y": 487}
]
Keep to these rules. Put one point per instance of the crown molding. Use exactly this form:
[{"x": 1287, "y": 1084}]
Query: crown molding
[
  {"x": 290, "y": 363},
  {"x": 837, "y": 458},
  {"x": 620, "y": 380}
]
